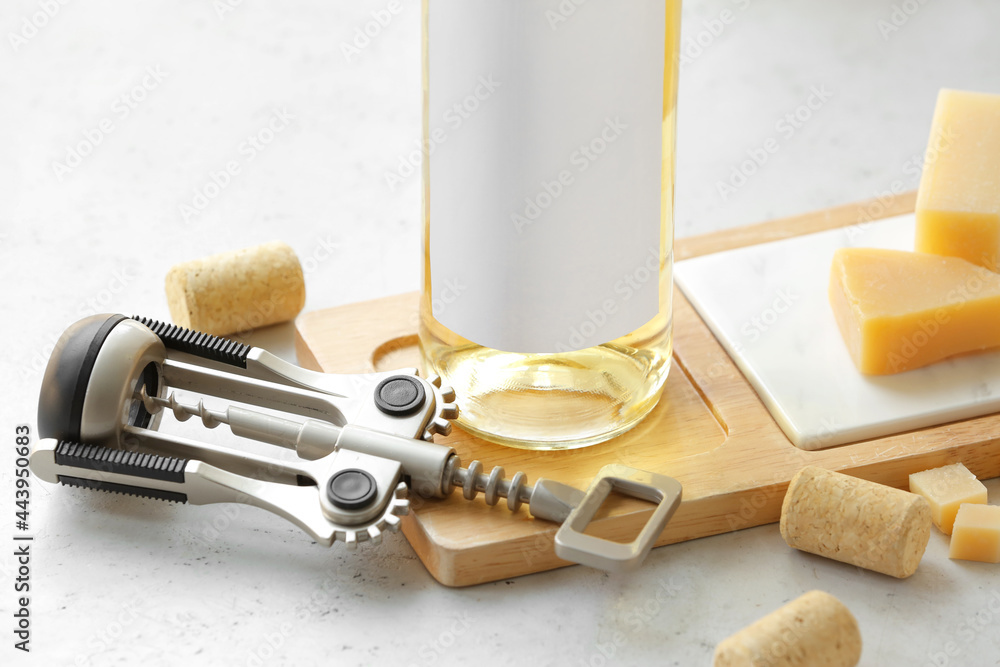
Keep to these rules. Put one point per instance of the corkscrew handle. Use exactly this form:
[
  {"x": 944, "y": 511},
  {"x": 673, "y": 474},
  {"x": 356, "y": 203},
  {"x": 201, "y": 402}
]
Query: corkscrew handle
[
  {"x": 574, "y": 509},
  {"x": 573, "y": 544}
]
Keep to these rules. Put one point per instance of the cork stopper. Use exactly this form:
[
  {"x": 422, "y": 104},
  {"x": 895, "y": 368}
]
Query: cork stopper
[
  {"x": 238, "y": 290},
  {"x": 856, "y": 521},
  {"x": 814, "y": 630}
]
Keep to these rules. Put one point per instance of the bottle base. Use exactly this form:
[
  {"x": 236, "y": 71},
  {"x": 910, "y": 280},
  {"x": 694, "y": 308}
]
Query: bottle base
[{"x": 551, "y": 402}]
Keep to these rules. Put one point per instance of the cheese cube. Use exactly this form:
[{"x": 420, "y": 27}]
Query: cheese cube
[
  {"x": 902, "y": 310},
  {"x": 977, "y": 534},
  {"x": 945, "y": 489},
  {"x": 958, "y": 204}
]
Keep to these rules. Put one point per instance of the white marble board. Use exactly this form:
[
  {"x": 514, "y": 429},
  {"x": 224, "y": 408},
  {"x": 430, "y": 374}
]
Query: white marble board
[{"x": 767, "y": 304}]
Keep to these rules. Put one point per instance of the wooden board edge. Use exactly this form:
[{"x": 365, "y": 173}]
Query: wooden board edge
[
  {"x": 703, "y": 517},
  {"x": 855, "y": 213},
  {"x": 303, "y": 352}
]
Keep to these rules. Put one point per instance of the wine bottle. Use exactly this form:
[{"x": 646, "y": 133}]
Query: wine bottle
[{"x": 548, "y": 181}]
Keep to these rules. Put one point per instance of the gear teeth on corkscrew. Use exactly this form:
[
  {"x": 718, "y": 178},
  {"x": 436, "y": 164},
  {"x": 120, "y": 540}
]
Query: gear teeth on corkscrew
[
  {"x": 399, "y": 505},
  {"x": 449, "y": 411},
  {"x": 351, "y": 540},
  {"x": 441, "y": 425}
]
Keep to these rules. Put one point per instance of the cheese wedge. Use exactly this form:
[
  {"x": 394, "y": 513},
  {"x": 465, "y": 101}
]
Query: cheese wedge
[
  {"x": 946, "y": 488},
  {"x": 901, "y": 310},
  {"x": 958, "y": 204},
  {"x": 977, "y": 534}
]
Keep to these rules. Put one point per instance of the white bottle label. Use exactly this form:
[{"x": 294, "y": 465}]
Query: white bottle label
[{"x": 545, "y": 132}]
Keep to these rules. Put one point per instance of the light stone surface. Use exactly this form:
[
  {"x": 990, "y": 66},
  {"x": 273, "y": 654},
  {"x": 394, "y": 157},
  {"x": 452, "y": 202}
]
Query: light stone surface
[{"x": 118, "y": 581}]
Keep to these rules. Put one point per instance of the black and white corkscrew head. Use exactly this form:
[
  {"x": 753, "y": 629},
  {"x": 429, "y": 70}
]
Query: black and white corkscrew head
[{"x": 98, "y": 365}]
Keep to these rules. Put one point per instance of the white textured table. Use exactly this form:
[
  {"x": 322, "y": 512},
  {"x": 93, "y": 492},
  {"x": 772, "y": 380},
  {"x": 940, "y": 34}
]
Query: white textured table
[{"x": 308, "y": 134}]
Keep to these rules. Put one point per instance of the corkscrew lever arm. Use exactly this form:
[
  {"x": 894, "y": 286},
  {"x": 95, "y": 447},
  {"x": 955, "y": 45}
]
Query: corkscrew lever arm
[
  {"x": 435, "y": 470},
  {"x": 202, "y": 473}
]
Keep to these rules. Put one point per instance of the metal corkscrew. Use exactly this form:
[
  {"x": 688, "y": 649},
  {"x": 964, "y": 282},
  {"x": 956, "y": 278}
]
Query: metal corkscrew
[{"x": 362, "y": 442}]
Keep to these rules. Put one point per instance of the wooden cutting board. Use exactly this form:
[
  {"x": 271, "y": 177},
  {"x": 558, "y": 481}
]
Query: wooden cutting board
[{"x": 709, "y": 431}]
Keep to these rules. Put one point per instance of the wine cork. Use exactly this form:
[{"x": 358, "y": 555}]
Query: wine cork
[
  {"x": 856, "y": 521},
  {"x": 814, "y": 630},
  {"x": 238, "y": 290}
]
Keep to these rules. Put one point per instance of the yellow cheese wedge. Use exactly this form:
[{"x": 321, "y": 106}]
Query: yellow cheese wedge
[
  {"x": 958, "y": 204},
  {"x": 901, "y": 310},
  {"x": 945, "y": 489},
  {"x": 977, "y": 534}
]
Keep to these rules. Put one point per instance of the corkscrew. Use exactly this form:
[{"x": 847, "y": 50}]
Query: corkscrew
[{"x": 362, "y": 442}]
